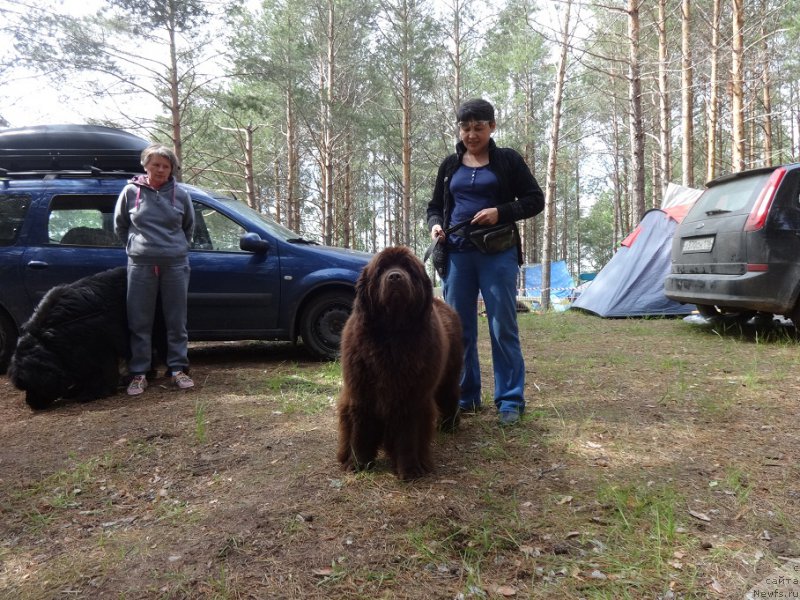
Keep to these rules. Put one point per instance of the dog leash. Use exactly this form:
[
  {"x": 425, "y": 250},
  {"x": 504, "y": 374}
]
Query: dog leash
[{"x": 447, "y": 232}]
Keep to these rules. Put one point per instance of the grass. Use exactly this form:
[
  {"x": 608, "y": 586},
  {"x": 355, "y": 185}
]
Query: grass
[
  {"x": 200, "y": 422},
  {"x": 306, "y": 391},
  {"x": 738, "y": 482},
  {"x": 630, "y": 425},
  {"x": 61, "y": 490}
]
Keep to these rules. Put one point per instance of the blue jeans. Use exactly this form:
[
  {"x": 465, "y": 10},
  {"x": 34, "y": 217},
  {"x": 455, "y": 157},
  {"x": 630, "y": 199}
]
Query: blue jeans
[
  {"x": 144, "y": 284},
  {"x": 495, "y": 277}
]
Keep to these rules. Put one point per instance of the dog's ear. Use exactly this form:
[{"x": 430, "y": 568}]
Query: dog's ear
[
  {"x": 363, "y": 295},
  {"x": 425, "y": 283},
  {"x": 421, "y": 281}
]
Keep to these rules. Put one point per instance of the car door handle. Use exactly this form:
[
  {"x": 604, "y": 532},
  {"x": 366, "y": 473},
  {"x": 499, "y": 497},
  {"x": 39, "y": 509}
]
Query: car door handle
[{"x": 37, "y": 265}]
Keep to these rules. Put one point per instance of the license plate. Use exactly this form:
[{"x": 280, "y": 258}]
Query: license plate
[{"x": 701, "y": 244}]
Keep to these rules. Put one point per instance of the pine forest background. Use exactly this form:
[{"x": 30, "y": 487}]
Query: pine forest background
[{"x": 332, "y": 116}]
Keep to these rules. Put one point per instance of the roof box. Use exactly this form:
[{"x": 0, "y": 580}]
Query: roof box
[{"x": 70, "y": 148}]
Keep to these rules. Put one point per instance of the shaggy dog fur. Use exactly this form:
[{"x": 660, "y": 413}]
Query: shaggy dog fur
[
  {"x": 72, "y": 345},
  {"x": 401, "y": 365}
]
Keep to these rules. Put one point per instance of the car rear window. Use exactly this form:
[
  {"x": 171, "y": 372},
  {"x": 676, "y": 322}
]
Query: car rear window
[
  {"x": 12, "y": 215},
  {"x": 732, "y": 196}
]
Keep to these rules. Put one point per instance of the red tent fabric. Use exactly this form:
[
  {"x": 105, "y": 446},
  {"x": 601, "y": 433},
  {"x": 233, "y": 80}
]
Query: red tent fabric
[{"x": 676, "y": 213}]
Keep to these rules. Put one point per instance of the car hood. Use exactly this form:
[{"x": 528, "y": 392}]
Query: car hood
[{"x": 356, "y": 258}]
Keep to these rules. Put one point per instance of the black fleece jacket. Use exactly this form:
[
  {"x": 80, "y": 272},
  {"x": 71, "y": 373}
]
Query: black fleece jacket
[{"x": 520, "y": 196}]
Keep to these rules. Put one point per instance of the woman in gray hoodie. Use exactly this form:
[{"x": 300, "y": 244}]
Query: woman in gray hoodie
[{"x": 155, "y": 219}]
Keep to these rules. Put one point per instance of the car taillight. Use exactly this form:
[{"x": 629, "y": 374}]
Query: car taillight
[
  {"x": 758, "y": 215},
  {"x": 757, "y": 268}
]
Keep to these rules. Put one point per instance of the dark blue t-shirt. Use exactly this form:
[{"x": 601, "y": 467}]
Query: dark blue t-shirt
[{"x": 473, "y": 189}]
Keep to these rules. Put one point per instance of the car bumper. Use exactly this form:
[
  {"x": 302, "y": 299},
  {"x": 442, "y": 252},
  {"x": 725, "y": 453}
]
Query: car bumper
[{"x": 761, "y": 291}]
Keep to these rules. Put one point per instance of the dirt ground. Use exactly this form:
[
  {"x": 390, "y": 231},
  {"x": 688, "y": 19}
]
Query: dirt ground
[{"x": 656, "y": 459}]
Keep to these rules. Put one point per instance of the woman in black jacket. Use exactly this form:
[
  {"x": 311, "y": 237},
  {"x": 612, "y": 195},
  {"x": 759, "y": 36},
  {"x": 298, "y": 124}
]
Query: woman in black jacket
[{"x": 482, "y": 184}]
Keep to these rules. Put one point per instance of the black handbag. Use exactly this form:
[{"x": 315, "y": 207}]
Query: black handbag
[
  {"x": 491, "y": 239},
  {"x": 437, "y": 252},
  {"x": 439, "y": 258}
]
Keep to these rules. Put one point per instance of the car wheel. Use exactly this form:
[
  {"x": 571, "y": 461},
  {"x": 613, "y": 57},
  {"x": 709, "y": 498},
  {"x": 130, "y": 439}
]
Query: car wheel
[
  {"x": 739, "y": 316},
  {"x": 322, "y": 323},
  {"x": 794, "y": 316},
  {"x": 8, "y": 341}
]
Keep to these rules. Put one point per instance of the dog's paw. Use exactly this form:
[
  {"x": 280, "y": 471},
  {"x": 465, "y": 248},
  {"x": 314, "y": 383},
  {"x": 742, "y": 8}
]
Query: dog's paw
[
  {"x": 411, "y": 472},
  {"x": 351, "y": 464},
  {"x": 38, "y": 402}
]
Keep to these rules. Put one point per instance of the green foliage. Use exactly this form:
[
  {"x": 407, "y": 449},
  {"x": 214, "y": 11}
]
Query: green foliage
[
  {"x": 183, "y": 16},
  {"x": 318, "y": 94},
  {"x": 597, "y": 233}
]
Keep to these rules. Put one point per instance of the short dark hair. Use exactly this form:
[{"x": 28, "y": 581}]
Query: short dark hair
[{"x": 476, "y": 109}]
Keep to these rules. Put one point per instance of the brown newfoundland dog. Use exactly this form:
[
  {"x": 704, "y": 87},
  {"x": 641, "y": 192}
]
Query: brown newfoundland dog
[{"x": 401, "y": 365}]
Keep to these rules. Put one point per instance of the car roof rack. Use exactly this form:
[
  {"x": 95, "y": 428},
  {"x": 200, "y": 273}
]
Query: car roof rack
[{"x": 91, "y": 173}]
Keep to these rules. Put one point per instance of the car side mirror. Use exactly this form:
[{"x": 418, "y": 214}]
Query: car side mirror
[{"x": 251, "y": 242}]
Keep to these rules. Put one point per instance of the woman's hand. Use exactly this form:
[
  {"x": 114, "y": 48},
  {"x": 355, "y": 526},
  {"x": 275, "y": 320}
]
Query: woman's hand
[
  {"x": 485, "y": 216},
  {"x": 437, "y": 232}
]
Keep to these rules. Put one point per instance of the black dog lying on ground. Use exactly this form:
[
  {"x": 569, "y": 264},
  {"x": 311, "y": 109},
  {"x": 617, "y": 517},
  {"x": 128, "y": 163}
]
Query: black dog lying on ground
[{"x": 73, "y": 344}]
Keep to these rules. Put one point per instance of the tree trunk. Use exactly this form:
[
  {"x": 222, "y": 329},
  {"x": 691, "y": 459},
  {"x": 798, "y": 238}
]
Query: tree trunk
[
  {"x": 713, "y": 100},
  {"x": 658, "y": 185},
  {"x": 552, "y": 159},
  {"x": 457, "y": 83},
  {"x": 347, "y": 195},
  {"x": 576, "y": 265},
  {"x": 249, "y": 176},
  {"x": 636, "y": 127},
  {"x": 564, "y": 255},
  {"x": 737, "y": 87},
  {"x": 529, "y": 241},
  {"x": 175, "y": 104},
  {"x": 765, "y": 89},
  {"x": 665, "y": 118},
  {"x": 387, "y": 215},
  {"x": 279, "y": 201},
  {"x": 292, "y": 168},
  {"x": 328, "y": 129},
  {"x": 406, "y": 146},
  {"x": 687, "y": 96},
  {"x": 616, "y": 176}
]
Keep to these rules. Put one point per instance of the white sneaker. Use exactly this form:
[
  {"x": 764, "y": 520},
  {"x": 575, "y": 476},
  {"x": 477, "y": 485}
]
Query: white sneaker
[
  {"x": 137, "y": 385},
  {"x": 182, "y": 381}
]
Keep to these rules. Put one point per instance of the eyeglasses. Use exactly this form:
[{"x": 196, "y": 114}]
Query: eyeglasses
[{"x": 476, "y": 126}]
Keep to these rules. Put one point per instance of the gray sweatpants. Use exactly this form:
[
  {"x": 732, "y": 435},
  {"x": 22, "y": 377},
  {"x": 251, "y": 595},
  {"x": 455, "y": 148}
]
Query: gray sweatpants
[{"x": 144, "y": 284}]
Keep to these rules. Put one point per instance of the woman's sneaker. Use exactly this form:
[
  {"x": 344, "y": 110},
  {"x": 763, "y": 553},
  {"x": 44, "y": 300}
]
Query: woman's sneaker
[
  {"x": 182, "y": 381},
  {"x": 507, "y": 418},
  {"x": 137, "y": 385}
]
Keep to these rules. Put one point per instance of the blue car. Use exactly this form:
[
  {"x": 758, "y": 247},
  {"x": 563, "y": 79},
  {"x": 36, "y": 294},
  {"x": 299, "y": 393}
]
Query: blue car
[{"x": 251, "y": 278}]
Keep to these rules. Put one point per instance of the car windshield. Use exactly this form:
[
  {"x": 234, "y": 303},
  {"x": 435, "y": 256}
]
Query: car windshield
[
  {"x": 731, "y": 196},
  {"x": 276, "y": 229}
]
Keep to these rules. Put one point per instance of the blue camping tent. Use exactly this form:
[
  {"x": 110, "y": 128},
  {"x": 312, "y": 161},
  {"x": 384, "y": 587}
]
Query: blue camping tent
[
  {"x": 561, "y": 284},
  {"x": 632, "y": 283}
]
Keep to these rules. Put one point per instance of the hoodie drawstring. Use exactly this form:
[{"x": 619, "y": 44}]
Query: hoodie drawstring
[{"x": 139, "y": 193}]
